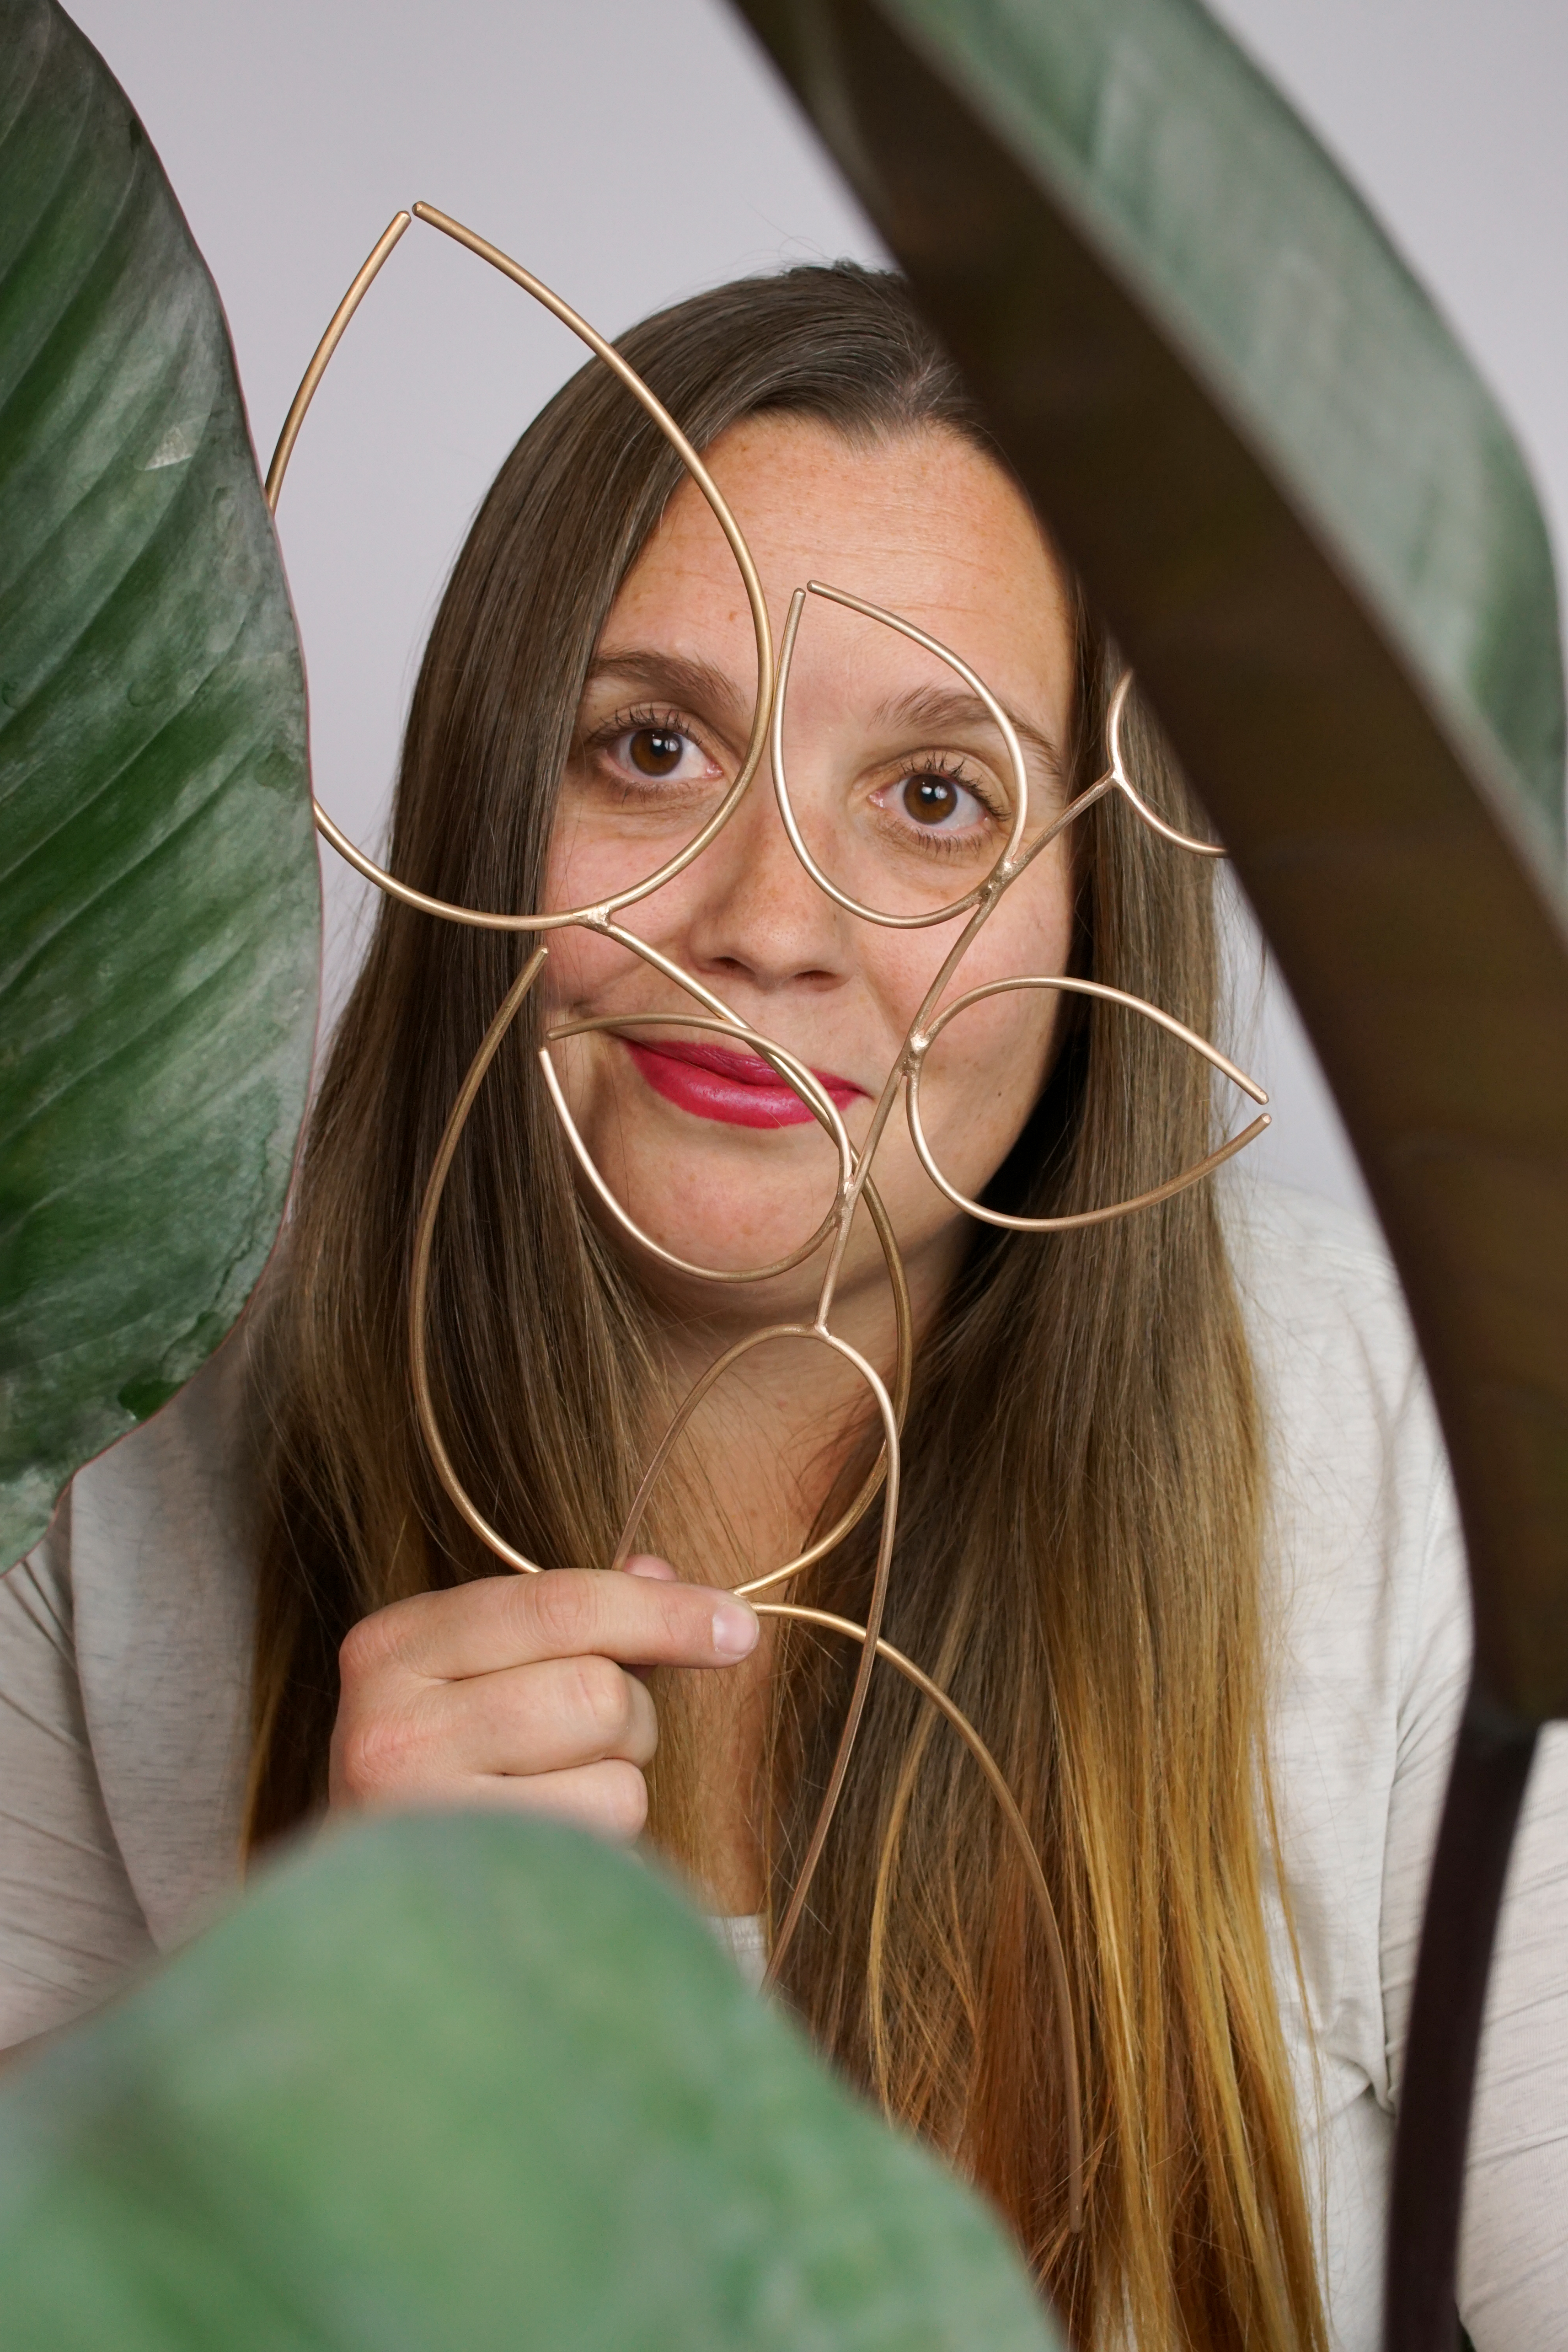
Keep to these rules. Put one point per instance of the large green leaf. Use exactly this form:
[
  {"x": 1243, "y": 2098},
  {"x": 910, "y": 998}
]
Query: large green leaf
[
  {"x": 158, "y": 890},
  {"x": 444, "y": 2086},
  {"x": 1258, "y": 258},
  {"x": 1312, "y": 532}
]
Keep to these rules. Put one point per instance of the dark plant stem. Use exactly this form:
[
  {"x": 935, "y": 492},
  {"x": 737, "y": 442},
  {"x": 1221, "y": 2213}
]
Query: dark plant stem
[{"x": 1486, "y": 1788}]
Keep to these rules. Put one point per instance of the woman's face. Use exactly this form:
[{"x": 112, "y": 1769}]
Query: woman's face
[{"x": 903, "y": 795}]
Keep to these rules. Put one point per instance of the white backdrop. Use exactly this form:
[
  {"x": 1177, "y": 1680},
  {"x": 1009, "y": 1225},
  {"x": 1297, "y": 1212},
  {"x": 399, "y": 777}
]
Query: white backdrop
[{"x": 634, "y": 150}]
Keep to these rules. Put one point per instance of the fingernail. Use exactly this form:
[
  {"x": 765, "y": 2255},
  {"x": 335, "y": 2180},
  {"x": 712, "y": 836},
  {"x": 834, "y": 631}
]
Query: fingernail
[{"x": 735, "y": 1630}]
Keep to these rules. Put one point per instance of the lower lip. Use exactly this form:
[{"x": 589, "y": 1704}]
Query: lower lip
[{"x": 709, "y": 1094}]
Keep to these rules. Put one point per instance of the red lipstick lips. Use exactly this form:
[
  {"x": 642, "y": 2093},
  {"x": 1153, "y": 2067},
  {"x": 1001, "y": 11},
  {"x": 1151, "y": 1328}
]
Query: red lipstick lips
[{"x": 741, "y": 1089}]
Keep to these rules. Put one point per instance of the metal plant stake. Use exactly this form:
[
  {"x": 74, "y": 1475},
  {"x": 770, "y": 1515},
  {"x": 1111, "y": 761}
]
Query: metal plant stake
[{"x": 855, "y": 1185}]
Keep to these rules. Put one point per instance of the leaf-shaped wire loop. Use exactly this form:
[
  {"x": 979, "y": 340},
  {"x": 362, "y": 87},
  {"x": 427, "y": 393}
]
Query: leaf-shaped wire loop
[
  {"x": 920, "y": 1045},
  {"x": 868, "y": 1632},
  {"x": 793, "y": 1072},
  {"x": 977, "y": 685},
  {"x": 761, "y": 627}
]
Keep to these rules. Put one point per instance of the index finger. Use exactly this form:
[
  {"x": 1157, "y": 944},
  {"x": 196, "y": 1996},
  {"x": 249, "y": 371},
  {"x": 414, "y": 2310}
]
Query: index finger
[{"x": 568, "y": 1612}]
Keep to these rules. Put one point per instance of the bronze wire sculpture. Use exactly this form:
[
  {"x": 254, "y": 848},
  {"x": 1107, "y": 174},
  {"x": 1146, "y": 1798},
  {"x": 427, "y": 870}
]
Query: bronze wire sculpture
[{"x": 854, "y": 1187}]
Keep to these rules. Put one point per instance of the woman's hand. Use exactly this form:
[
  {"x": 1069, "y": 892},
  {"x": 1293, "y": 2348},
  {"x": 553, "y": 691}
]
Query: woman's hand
[{"x": 517, "y": 1691}]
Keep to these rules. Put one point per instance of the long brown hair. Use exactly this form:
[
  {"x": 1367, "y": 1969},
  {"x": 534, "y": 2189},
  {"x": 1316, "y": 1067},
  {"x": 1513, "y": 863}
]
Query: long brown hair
[{"x": 1078, "y": 1559}]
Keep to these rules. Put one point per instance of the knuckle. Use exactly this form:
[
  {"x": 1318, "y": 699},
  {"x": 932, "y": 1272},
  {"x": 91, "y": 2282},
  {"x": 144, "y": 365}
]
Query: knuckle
[
  {"x": 377, "y": 1754},
  {"x": 599, "y": 1697},
  {"x": 365, "y": 1648},
  {"x": 560, "y": 1610},
  {"x": 624, "y": 1801}
]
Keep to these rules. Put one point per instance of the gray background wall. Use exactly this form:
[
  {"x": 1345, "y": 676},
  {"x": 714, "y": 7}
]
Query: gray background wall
[{"x": 632, "y": 151}]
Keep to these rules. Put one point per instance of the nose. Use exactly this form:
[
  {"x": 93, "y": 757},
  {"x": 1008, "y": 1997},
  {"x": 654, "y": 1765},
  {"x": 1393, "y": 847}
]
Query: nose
[{"x": 757, "y": 915}]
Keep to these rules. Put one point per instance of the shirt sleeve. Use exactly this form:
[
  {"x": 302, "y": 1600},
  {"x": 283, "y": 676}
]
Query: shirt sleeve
[
  {"x": 69, "y": 1922},
  {"x": 1513, "y": 2248},
  {"x": 1513, "y": 2267}
]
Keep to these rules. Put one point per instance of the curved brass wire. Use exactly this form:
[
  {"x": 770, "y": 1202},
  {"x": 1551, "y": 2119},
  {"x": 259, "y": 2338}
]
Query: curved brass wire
[
  {"x": 975, "y": 684},
  {"x": 919, "y": 1046},
  {"x": 700, "y": 1388},
  {"x": 368, "y": 270},
  {"x": 872, "y": 1629},
  {"x": 823, "y": 1109},
  {"x": 793, "y": 1072},
  {"x": 762, "y": 626},
  {"x": 419, "y": 1287},
  {"x": 1129, "y": 790},
  {"x": 903, "y": 1325},
  {"x": 872, "y": 1485},
  {"x": 1061, "y": 1992},
  {"x": 854, "y": 1184},
  {"x": 903, "y": 1374},
  {"x": 850, "y": 1730}
]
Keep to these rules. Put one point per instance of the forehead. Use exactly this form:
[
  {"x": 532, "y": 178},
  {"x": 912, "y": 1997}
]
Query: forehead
[{"x": 922, "y": 524}]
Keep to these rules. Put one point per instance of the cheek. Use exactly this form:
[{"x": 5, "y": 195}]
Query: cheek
[
  {"x": 590, "y": 862},
  {"x": 578, "y": 967},
  {"x": 984, "y": 1075},
  {"x": 988, "y": 1065}
]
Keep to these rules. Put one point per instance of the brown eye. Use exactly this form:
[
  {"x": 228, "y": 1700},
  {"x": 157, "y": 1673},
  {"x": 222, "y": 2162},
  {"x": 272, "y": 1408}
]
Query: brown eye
[
  {"x": 930, "y": 800},
  {"x": 655, "y": 751}
]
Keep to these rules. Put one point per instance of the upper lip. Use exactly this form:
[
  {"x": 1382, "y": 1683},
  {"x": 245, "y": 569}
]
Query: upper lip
[{"x": 743, "y": 1068}]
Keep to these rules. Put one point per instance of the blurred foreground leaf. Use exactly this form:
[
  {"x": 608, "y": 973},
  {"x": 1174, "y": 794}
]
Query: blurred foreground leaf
[
  {"x": 158, "y": 889},
  {"x": 443, "y": 2085}
]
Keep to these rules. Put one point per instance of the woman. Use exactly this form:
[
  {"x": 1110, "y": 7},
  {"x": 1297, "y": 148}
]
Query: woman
[{"x": 1175, "y": 1529}]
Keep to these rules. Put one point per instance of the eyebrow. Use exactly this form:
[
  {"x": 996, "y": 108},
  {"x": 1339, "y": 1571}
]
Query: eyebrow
[
  {"x": 933, "y": 709},
  {"x": 680, "y": 678}
]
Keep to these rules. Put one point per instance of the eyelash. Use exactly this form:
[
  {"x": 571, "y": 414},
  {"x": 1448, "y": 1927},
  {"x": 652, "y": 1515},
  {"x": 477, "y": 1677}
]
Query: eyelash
[
  {"x": 949, "y": 772},
  {"x": 628, "y": 722},
  {"x": 952, "y": 772}
]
